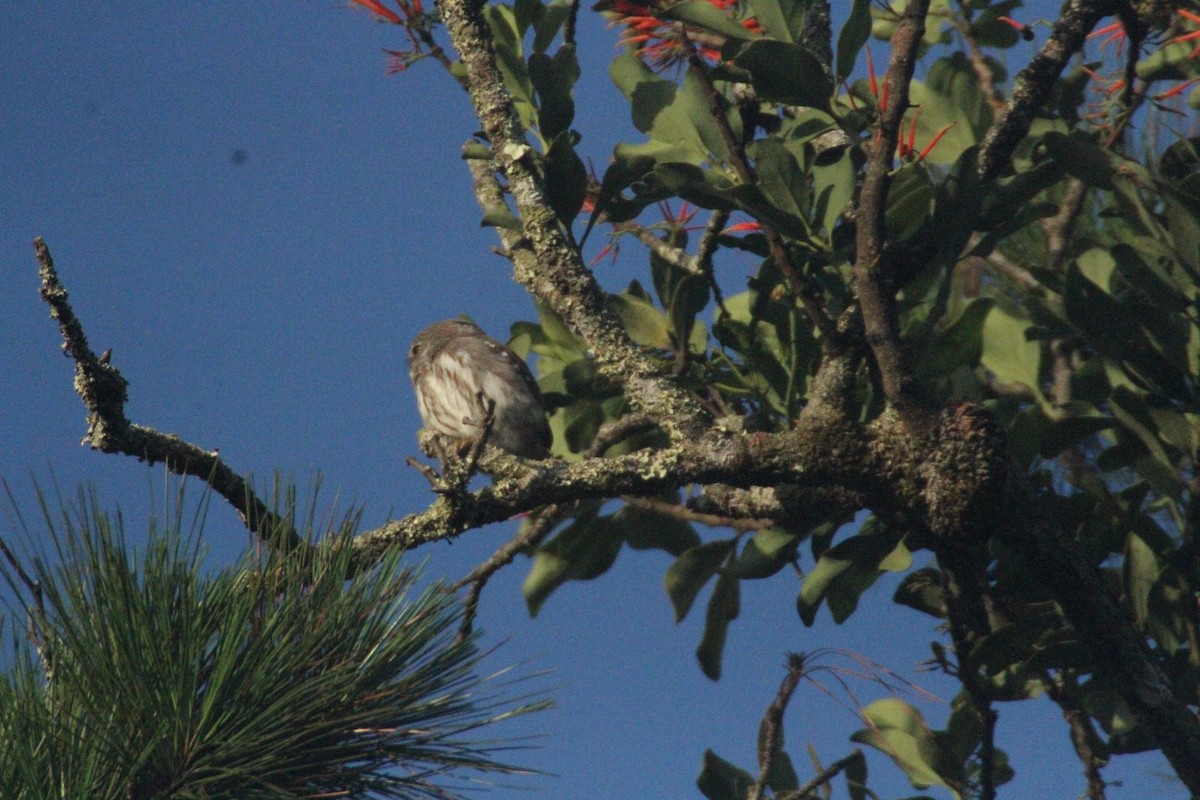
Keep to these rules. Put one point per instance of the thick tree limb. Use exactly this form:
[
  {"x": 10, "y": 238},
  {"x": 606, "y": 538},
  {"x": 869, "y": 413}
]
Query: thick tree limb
[
  {"x": 1034, "y": 83},
  {"x": 104, "y": 391},
  {"x": 557, "y": 275},
  {"x": 799, "y": 457}
]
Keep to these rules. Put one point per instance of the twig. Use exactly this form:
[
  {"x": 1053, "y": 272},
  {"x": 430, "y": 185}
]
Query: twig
[
  {"x": 1034, "y": 83},
  {"x": 968, "y": 625},
  {"x": 873, "y": 274},
  {"x": 675, "y": 256},
  {"x": 739, "y": 524},
  {"x": 569, "y": 22},
  {"x": 808, "y": 294},
  {"x": 1057, "y": 227},
  {"x": 770, "y": 730},
  {"x": 698, "y": 264},
  {"x": 1014, "y": 272},
  {"x": 34, "y": 619},
  {"x": 1087, "y": 743},
  {"x": 539, "y": 527},
  {"x": 488, "y": 407},
  {"x": 823, "y": 777},
  {"x": 104, "y": 391},
  {"x": 705, "y": 251},
  {"x": 983, "y": 72}
]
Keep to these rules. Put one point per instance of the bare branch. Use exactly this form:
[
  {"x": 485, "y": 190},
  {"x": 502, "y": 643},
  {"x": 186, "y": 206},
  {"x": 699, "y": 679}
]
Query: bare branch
[
  {"x": 1034, "y": 83},
  {"x": 1087, "y": 743},
  {"x": 770, "y": 730},
  {"x": 824, "y": 777},
  {"x": 103, "y": 391},
  {"x": 983, "y": 72},
  {"x": 873, "y": 274}
]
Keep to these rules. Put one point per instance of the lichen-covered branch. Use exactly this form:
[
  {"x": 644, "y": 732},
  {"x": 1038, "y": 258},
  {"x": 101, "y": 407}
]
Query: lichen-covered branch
[
  {"x": 798, "y": 457},
  {"x": 557, "y": 274},
  {"x": 1034, "y": 83},
  {"x": 104, "y": 391}
]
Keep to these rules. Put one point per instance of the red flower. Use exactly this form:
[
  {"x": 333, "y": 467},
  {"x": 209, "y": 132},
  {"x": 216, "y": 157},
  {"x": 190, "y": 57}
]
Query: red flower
[{"x": 663, "y": 43}]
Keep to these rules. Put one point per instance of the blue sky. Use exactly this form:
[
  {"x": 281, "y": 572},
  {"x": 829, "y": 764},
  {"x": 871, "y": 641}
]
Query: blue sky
[{"x": 263, "y": 308}]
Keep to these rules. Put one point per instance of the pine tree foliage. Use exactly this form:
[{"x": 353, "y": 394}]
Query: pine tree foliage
[{"x": 146, "y": 674}]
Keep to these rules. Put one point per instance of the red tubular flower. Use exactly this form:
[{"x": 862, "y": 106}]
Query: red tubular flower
[
  {"x": 376, "y": 8},
  {"x": 1112, "y": 33},
  {"x": 1188, "y": 37},
  {"x": 660, "y": 42}
]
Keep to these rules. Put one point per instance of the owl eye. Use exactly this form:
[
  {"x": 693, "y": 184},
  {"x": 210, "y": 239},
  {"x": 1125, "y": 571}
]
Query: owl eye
[{"x": 412, "y": 351}]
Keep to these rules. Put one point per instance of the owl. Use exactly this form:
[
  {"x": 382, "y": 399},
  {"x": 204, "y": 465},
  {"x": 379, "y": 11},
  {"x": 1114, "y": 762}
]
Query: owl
[{"x": 450, "y": 362}]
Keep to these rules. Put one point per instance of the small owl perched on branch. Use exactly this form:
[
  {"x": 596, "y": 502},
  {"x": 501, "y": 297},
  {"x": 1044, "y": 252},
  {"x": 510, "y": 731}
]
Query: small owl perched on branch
[{"x": 453, "y": 364}]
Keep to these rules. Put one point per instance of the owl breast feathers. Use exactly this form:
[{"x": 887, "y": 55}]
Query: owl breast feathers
[{"x": 453, "y": 361}]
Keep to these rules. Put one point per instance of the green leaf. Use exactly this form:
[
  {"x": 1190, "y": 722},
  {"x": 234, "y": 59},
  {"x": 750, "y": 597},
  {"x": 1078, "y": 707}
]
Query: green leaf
[
  {"x": 923, "y": 591},
  {"x": 786, "y": 73},
  {"x": 687, "y": 576},
  {"x": 704, "y": 187},
  {"x": 958, "y": 204},
  {"x": 646, "y": 325},
  {"x": 767, "y": 552},
  {"x": 1120, "y": 334},
  {"x": 584, "y": 550},
  {"x": 553, "y": 79},
  {"x": 898, "y": 729},
  {"x": 782, "y": 180},
  {"x": 846, "y": 570},
  {"x": 1141, "y": 571},
  {"x": 646, "y": 529},
  {"x": 506, "y": 39},
  {"x": 723, "y": 608},
  {"x": 854, "y": 35},
  {"x": 1058, "y": 435},
  {"x": 1082, "y": 158},
  {"x": 548, "y": 25},
  {"x": 566, "y": 179},
  {"x": 833, "y": 189},
  {"x": 959, "y": 345},
  {"x": 909, "y": 200},
  {"x": 1169, "y": 62},
  {"x": 856, "y": 775},
  {"x": 1010, "y": 356},
  {"x": 501, "y": 217},
  {"x": 658, "y": 109},
  {"x": 720, "y": 780}
]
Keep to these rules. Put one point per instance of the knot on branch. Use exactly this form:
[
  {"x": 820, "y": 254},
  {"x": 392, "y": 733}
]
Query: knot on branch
[{"x": 966, "y": 471}]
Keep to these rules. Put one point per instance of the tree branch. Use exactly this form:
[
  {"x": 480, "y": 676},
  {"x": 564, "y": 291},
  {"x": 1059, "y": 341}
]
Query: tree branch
[
  {"x": 104, "y": 392},
  {"x": 770, "y": 735},
  {"x": 808, "y": 294},
  {"x": 873, "y": 274},
  {"x": 1034, "y": 83}
]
